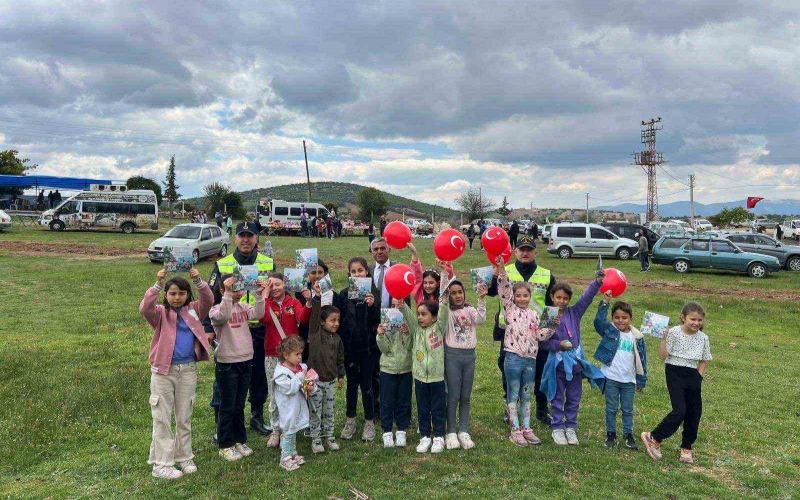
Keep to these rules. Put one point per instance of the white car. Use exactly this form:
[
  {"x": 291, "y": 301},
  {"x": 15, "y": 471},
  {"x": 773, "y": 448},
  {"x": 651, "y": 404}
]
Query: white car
[
  {"x": 685, "y": 225},
  {"x": 204, "y": 240},
  {"x": 5, "y": 221},
  {"x": 790, "y": 227},
  {"x": 702, "y": 225},
  {"x": 419, "y": 226}
]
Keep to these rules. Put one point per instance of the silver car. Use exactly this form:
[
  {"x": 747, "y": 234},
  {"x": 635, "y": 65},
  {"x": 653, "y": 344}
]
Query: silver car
[
  {"x": 788, "y": 255},
  {"x": 576, "y": 238},
  {"x": 205, "y": 240}
]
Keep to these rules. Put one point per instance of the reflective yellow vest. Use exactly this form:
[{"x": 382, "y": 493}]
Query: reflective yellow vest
[
  {"x": 228, "y": 264},
  {"x": 539, "y": 281}
]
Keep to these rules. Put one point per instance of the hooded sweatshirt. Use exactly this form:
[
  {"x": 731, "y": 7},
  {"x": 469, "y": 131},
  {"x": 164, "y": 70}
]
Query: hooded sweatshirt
[{"x": 233, "y": 333}]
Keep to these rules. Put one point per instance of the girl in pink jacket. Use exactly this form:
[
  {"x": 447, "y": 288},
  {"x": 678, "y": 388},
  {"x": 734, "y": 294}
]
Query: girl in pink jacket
[
  {"x": 429, "y": 281},
  {"x": 179, "y": 341}
]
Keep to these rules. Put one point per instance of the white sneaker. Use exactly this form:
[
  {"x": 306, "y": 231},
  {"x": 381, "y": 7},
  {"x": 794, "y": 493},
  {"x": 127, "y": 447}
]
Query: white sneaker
[
  {"x": 466, "y": 440},
  {"x": 230, "y": 454},
  {"x": 451, "y": 441},
  {"x": 349, "y": 429},
  {"x": 243, "y": 449},
  {"x": 368, "y": 434},
  {"x": 559, "y": 437},
  {"x": 438, "y": 445},
  {"x": 424, "y": 445},
  {"x": 572, "y": 437},
  {"x": 388, "y": 440},
  {"x": 187, "y": 467},
  {"x": 316, "y": 446},
  {"x": 400, "y": 439},
  {"x": 166, "y": 472}
]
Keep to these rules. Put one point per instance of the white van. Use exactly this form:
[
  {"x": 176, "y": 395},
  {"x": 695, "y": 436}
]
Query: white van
[
  {"x": 100, "y": 208},
  {"x": 288, "y": 212}
]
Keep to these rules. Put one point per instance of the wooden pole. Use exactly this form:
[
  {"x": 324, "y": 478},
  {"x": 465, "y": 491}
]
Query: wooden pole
[{"x": 308, "y": 178}]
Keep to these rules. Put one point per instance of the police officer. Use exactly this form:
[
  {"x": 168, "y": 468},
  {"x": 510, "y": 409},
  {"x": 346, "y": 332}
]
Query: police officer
[
  {"x": 246, "y": 253},
  {"x": 542, "y": 282}
]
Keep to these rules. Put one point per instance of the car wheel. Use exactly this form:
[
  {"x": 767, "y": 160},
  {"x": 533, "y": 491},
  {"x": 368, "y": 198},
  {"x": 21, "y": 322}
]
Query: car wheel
[
  {"x": 564, "y": 252},
  {"x": 196, "y": 255},
  {"x": 623, "y": 253},
  {"x": 757, "y": 270},
  {"x": 57, "y": 225},
  {"x": 128, "y": 228},
  {"x": 793, "y": 264},
  {"x": 154, "y": 261},
  {"x": 223, "y": 251},
  {"x": 681, "y": 266}
]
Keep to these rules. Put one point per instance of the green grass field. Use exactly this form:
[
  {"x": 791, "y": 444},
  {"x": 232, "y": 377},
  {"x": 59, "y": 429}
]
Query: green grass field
[{"x": 74, "y": 387}]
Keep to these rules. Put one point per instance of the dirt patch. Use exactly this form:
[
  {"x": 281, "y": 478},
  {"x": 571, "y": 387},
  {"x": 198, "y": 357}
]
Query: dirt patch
[{"x": 72, "y": 250}]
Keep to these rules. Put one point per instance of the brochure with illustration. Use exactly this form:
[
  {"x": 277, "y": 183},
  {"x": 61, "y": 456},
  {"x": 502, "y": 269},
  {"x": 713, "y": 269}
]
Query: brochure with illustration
[
  {"x": 655, "y": 324},
  {"x": 267, "y": 249},
  {"x": 178, "y": 259},
  {"x": 548, "y": 318},
  {"x": 392, "y": 319},
  {"x": 245, "y": 278},
  {"x": 306, "y": 258},
  {"x": 295, "y": 279},
  {"x": 358, "y": 288},
  {"x": 444, "y": 289},
  {"x": 325, "y": 284},
  {"x": 481, "y": 275}
]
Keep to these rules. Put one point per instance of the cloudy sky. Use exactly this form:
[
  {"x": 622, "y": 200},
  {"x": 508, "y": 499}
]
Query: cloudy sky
[{"x": 539, "y": 101}]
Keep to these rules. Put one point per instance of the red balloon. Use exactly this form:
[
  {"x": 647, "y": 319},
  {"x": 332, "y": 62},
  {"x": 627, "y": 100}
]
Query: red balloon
[
  {"x": 449, "y": 245},
  {"x": 615, "y": 281},
  {"x": 397, "y": 235},
  {"x": 506, "y": 255},
  {"x": 494, "y": 240},
  {"x": 400, "y": 281}
]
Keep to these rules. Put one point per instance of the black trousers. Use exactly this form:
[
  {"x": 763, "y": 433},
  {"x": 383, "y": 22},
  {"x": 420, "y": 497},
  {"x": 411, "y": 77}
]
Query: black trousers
[
  {"x": 470, "y": 242},
  {"x": 513, "y": 241},
  {"x": 431, "y": 407},
  {"x": 233, "y": 380},
  {"x": 541, "y": 359},
  {"x": 684, "y": 387},
  {"x": 360, "y": 368},
  {"x": 258, "y": 376}
]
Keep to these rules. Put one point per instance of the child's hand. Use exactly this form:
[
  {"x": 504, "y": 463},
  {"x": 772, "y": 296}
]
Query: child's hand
[
  {"x": 266, "y": 291},
  {"x": 228, "y": 284},
  {"x": 498, "y": 265},
  {"x": 211, "y": 337},
  {"x": 381, "y": 330},
  {"x": 306, "y": 293},
  {"x": 482, "y": 291},
  {"x": 340, "y": 382},
  {"x": 161, "y": 276},
  {"x": 607, "y": 297},
  {"x": 638, "y": 388},
  {"x": 369, "y": 299},
  {"x": 557, "y": 321},
  {"x": 565, "y": 345},
  {"x": 260, "y": 286},
  {"x": 404, "y": 328},
  {"x": 316, "y": 288},
  {"x": 442, "y": 264},
  {"x": 194, "y": 274},
  {"x": 600, "y": 275}
]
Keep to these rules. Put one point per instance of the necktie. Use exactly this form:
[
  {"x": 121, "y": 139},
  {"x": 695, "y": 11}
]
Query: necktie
[{"x": 379, "y": 286}]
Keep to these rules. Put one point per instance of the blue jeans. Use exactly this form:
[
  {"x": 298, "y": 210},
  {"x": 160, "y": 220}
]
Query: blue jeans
[
  {"x": 288, "y": 445},
  {"x": 395, "y": 401},
  {"x": 520, "y": 374},
  {"x": 431, "y": 407},
  {"x": 618, "y": 394}
]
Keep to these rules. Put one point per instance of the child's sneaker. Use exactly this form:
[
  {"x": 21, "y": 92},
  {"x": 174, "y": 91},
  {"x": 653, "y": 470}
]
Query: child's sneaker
[
  {"x": 230, "y": 454},
  {"x": 572, "y": 436},
  {"x": 187, "y": 467},
  {"x": 559, "y": 437},
  {"x": 438, "y": 445},
  {"x": 686, "y": 456},
  {"x": 333, "y": 445},
  {"x": 466, "y": 440},
  {"x": 299, "y": 459},
  {"x": 630, "y": 442},
  {"x": 368, "y": 434},
  {"x": 517, "y": 438},
  {"x": 611, "y": 440},
  {"x": 289, "y": 464},
  {"x": 388, "y": 440},
  {"x": 243, "y": 449},
  {"x": 424, "y": 445},
  {"x": 530, "y": 437},
  {"x": 349, "y": 429},
  {"x": 652, "y": 447},
  {"x": 316, "y": 446},
  {"x": 166, "y": 472},
  {"x": 274, "y": 440},
  {"x": 400, "y": 439},
  {"x": 451, "y": 441}
]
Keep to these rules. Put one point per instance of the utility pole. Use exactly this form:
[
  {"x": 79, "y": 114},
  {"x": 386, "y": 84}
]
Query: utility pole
[
  {"x": 587, "y": 208},
  {"x": 308, "y": 178},
  {"x": 480, "y": 203},
  {"x": 691, "y": 200},
  {"x": 649, "y": 159}
]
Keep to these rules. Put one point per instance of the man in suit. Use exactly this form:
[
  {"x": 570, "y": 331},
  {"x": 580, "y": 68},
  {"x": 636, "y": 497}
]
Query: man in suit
[{"x": 380, "y": 251}]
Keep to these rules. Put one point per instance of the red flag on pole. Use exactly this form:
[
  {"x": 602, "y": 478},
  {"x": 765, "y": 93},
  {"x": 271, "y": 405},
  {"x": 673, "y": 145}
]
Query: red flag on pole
[{"x": 752, "y": 201}]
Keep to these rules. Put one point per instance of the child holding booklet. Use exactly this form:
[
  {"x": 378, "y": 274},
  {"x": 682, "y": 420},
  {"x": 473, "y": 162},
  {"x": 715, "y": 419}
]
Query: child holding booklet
[
  {"x": 395, "y": 380},
  {"x": 686, "y": 352},
  {"x": 179, "y": 341},
  {"x": 428, "y": 282},
  {"x": 293, "y": 382},
  {"x": 234, "y": 358}
]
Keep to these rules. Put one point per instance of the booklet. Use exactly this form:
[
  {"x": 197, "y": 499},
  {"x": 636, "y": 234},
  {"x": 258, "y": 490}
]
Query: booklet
[
  {"x": 245, "y": 278},
  {"x": 267, "y": 249},
  {"x": 654, "y": 324},
  {"x": 295, "y": 279},
  {"x": 548, "y": 317},
  {"x": 358, "y": 288},
  {"x": 325, "y": 284},
  {"x": 444, "y": 289},
  {"x": 306, "y": 258},
  {"x": 178, "y": 259},
  {"x": 481, "y": 275},
  {"x": 392, "y": 319}
]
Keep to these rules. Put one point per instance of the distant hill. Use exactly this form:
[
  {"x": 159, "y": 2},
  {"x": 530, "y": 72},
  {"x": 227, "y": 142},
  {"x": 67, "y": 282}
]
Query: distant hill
[
  {"x": 343, "y": 194},
  {"x": 681, "y": 208}
]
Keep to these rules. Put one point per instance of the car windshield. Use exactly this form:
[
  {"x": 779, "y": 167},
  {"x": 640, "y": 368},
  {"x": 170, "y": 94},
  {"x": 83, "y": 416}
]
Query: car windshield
[{"x": 183, "y": 232}]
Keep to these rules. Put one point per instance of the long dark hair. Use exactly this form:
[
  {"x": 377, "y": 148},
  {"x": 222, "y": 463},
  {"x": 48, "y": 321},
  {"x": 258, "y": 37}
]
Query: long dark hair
[
  {"x": 182, "y": 284},
  {"x": 360, "y": 260},
  {"x": 435, "y": 295}
]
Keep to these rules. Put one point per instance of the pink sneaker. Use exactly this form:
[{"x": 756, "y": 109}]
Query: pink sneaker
[
  {"x": 652, "y": 447},
  {"x": 517, "y": 438},
  {"x": 530, "y": 437},
  {"x": 299, "y": 459},
  {"x": 686, "y": 456}
]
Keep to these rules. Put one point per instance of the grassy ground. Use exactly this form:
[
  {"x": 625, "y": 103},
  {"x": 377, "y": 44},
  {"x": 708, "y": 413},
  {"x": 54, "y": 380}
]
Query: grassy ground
[{"x": 74, "y": 380}]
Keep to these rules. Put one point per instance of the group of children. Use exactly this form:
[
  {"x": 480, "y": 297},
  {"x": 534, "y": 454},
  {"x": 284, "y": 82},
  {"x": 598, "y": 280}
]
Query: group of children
[{"x": 435, "y": 348}]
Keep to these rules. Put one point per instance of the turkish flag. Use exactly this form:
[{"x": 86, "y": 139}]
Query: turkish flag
[{"x": 752, "y": 200}]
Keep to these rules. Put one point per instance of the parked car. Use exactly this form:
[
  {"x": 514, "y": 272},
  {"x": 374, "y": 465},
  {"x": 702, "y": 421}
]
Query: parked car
[
  {"x": 703, "y": 225},
  {"x": 578, "y": 238},
  {"x": 668, "y": 228},
  {"x": 419, "y": 226},
  {"x": 5, "y": 221},
  {"x": 546, "y": 232},
  {"x": 788, "y": 255},
  {"x": 685, "y": 225},
  {"x": 791, "y": 229},
  {"x": 702, "y": 252},
  {"x": 205, "y": 240},
  {"x": 630, "y": 230}
]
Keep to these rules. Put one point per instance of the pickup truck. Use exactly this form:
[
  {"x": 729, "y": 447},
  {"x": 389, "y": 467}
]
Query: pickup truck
[{"x": 791, "y": 229}]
